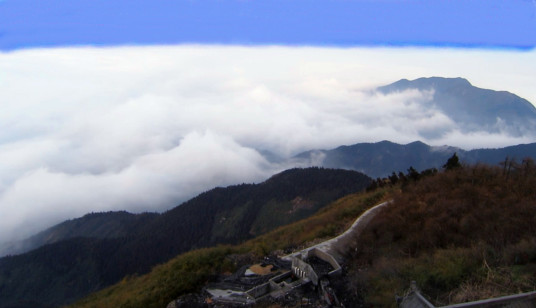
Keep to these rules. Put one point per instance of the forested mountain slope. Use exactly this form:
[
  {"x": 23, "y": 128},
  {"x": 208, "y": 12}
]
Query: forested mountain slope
[
  {"x": 190, "y": 271},
  {"x": 94, "y": 225},
  {"x": 61, "y": 272}
]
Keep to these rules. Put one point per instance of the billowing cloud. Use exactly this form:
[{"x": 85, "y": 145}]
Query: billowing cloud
[
  {"x": 152, "y": 181},
  {"x": 144, "y": 128}
]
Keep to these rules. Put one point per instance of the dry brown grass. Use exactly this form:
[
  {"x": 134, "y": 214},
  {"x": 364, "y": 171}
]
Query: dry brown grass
[{"x": 462, "y": 235}]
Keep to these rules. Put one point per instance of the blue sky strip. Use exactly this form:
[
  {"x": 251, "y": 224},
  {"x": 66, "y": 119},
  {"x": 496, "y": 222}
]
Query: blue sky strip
[{"x": 465, "y": 23}]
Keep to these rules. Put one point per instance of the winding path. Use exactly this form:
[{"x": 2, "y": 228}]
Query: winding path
[{"x": 338, "y": 245}]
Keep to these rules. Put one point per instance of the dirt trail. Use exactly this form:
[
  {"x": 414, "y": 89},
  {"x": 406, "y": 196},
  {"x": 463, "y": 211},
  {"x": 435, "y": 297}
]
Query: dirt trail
[{"x": 338, "y": 246}]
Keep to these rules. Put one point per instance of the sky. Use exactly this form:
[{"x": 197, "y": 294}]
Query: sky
[
  {"x": 488, "y": 23},
  {"x": 139, "y": 105}
]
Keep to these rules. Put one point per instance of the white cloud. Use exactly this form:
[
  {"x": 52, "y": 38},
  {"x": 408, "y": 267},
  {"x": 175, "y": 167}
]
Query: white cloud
[
  {"x": 151, "y": 182},
  {"x": 481, "y": 140},
  {"x": 143, "y": 128}
]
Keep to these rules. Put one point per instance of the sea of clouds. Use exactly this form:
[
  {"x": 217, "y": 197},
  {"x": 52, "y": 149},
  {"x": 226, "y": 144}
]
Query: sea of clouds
[{"x": 144, "y": 128}]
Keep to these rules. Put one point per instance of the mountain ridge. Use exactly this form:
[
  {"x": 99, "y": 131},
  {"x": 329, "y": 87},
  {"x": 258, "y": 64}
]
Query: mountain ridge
[
  {"x": 111, "y": 224},
  {"x": 382, "y": 158}
]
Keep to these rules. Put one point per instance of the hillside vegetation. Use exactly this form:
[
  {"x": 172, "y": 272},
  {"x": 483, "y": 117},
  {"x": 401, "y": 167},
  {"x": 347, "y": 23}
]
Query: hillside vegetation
[
  {"x": 462, "y": 235},
  {"x": 227, "y": 215},
  {"x": 190, "y": 271}
]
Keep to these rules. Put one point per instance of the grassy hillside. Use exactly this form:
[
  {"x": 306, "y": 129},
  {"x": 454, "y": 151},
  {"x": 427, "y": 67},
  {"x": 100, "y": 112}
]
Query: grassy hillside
[
  {"x": 462, "y": 235},
  {"x": 189, "y": 271}
]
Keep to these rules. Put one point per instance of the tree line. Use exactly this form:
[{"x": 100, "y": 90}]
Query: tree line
[{"x": 412, "y": 175}]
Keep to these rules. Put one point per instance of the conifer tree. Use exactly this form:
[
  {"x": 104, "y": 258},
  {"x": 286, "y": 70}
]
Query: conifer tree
[{"x": 452, "y": 163}]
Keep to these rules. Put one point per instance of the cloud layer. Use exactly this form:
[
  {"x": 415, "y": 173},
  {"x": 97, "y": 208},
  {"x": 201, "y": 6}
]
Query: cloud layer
[{"x": 144, "y": 128}]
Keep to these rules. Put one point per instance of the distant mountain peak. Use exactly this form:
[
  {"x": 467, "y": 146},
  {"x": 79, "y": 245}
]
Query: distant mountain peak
[
  {"x": 417, "y": 143},
  {"x": 450, "y": 80},
  {"x": 425, "y": 83},
  {"x": 473, "y": 109}
]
